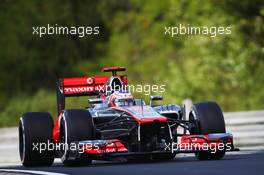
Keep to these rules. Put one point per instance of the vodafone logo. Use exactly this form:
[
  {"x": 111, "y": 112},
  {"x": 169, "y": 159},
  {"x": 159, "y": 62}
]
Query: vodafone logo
[
  {"x": 89, "y": 80},
  {"x": 78, "y": 89}
]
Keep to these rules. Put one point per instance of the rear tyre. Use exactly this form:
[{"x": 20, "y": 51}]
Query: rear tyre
[
  {"x": 207, "y": 118},
  {"x": 76, "y": 125},
  {"x": 35, "y": 132}
]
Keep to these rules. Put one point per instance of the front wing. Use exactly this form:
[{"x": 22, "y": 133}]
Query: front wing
[{"x": 185, "y": 144}]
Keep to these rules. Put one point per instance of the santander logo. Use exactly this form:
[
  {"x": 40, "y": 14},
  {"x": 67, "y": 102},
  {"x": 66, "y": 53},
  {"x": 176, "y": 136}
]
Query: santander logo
[{"x": 89, "y": 80}]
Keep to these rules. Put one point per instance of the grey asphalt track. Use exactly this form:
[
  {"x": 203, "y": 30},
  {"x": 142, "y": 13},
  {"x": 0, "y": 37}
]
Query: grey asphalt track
[{"x": 239, "y": 163}]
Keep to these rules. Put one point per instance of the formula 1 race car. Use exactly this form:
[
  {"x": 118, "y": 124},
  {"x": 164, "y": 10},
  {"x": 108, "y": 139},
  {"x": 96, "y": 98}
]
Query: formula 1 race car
[{"x": 118, "y": 126}]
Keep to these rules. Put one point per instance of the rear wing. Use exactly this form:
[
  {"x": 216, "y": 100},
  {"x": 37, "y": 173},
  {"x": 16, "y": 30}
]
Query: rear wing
[{"x": 89, "y": 86}]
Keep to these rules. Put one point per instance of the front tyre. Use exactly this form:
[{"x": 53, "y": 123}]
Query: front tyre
[
  {"x": 76, "y": 125},
  {"x": 207, "y": 118},
  {"x": 35, "y": 135}
]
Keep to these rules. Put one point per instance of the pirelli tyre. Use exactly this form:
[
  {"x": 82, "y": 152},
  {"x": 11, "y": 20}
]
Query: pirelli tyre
[
  {"x": 35, "y": 134},
  {"x": 76, "y": 125},
  {"x": 207, "y": 118}
]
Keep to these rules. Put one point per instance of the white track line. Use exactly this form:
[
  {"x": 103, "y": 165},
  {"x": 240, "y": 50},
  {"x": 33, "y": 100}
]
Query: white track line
[{"x": 30, "y": 171}]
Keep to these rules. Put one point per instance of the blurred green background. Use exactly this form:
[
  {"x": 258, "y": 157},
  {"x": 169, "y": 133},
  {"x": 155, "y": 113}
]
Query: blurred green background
[{"x": 228, "y": 68}]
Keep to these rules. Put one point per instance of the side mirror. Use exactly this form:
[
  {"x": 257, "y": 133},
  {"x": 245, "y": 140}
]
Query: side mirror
[
  {"x": 155, "y": 98},
  {"x": 95, "y": 101}
]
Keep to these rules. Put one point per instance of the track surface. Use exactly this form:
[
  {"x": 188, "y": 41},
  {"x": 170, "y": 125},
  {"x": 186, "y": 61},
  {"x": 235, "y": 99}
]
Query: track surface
[{"x": 234, "y": 163}]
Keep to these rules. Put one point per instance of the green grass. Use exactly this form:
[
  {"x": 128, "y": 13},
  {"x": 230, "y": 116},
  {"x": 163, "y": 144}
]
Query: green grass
[{"x": 41, "y": 101}]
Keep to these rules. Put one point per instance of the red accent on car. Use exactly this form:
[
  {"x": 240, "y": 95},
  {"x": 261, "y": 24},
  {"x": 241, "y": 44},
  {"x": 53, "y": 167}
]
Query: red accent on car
[
  {"x": 56, "y": 130},
  {"x": 86, "y": 85},
  {"x": 111, "y": 147},
  {"x": 196, "y": 142}
]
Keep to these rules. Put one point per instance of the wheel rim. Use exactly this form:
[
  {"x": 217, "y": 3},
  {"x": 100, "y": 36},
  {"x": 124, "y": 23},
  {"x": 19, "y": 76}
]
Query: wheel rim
[
  {"x": 63, "y": 138},
  {"x": 21, "y": 141}
]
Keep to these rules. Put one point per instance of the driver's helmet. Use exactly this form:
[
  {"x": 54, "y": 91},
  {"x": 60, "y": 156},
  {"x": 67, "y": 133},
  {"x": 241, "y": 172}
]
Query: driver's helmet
[{"x": 121, "y": 99}]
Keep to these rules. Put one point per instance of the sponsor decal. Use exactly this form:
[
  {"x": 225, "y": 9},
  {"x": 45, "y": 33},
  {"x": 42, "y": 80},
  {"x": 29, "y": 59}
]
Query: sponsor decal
[
  {"x": 89, "y": 80},
  {"x": 78, "y": 89}
]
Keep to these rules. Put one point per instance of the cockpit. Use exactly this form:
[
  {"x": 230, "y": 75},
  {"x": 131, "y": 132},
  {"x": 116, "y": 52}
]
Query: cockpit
[{"x": 124, "y": 102}]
